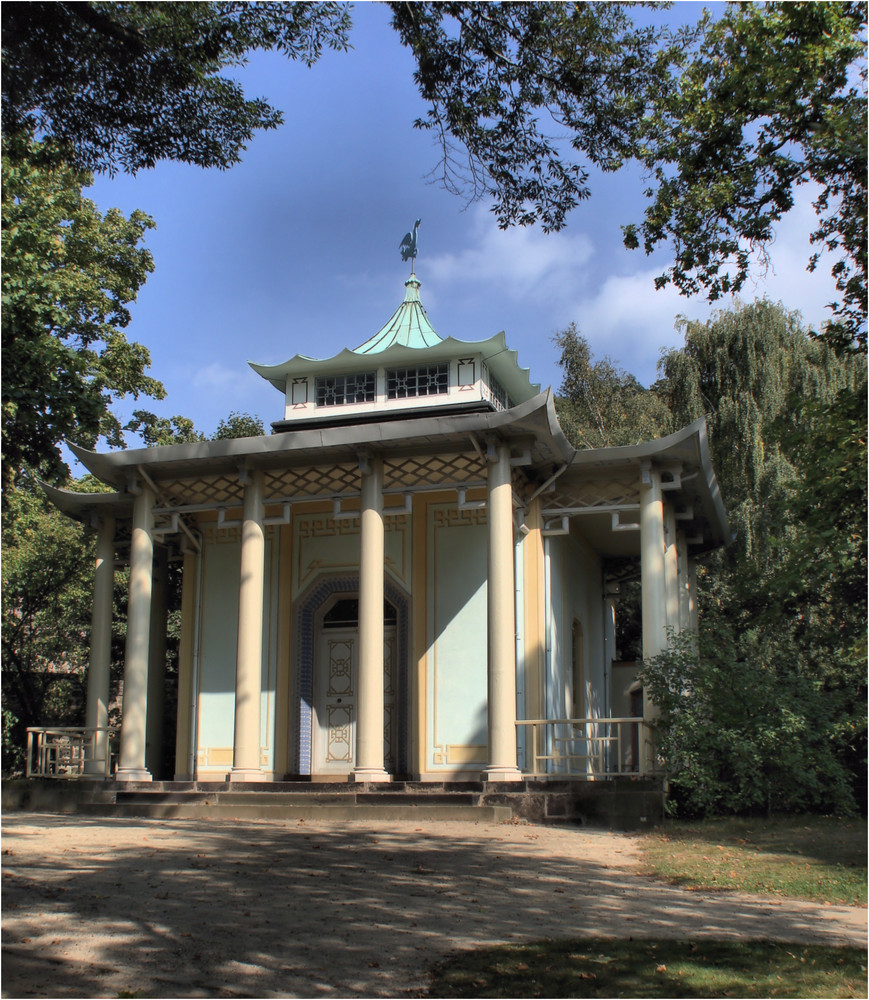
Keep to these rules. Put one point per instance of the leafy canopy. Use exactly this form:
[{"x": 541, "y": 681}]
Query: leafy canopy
[
  {"x": 123, "y": 85},
  {"x": 773, "y": 98},
  {"x": 69, "y": 275},
  {"x": 526, "y": 97},
  {"x": 601, "y": 405}
]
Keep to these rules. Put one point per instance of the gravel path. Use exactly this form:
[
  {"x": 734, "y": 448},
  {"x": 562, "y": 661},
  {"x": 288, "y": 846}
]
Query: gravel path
[{"x": 152, "y": 908}]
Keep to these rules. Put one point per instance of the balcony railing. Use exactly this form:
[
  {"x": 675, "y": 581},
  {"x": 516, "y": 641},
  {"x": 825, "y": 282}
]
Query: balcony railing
[
  {"x": 71, "y": 752},
  {"x": 586, "y": 748}
]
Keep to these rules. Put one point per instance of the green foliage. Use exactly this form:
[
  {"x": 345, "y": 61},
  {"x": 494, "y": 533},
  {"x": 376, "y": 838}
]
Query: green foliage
[
  {"x": 155, "y": 431},
  {"x": 601, "y": 405},
  {"x": 741, "y": 730},
  {"x": 744, "y": 368},
  {"x": 492, "y": 73},
  {"x": 123, "y": 85},
  {"x": 69, "y": 274},
  {"x": 47, "y": 596},
  {"x": 239, "y": 425},
  {"x": 769, "y": 101},
  {"x": 776, "y": 716}
]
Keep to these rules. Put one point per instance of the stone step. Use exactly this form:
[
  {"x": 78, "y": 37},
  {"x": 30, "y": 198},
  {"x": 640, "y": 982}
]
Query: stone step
[{"x": 347, "y": 811}]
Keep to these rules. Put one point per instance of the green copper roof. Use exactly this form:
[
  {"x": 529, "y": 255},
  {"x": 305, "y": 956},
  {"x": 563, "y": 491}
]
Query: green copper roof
[{"x": 409, "y": 325}]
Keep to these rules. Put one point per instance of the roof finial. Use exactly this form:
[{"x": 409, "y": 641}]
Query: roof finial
[{"x": 408, "y": 246}]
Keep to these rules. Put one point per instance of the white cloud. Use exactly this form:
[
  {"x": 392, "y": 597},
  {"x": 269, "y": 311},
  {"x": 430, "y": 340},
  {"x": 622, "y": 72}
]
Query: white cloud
[{"x": 522, "y": 262}]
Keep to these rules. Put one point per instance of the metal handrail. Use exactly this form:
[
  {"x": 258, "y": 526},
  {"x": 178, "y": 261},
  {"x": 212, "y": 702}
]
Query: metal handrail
[
  {"x": 71, "y": 751},
  {"x": 587, "y": 748}
]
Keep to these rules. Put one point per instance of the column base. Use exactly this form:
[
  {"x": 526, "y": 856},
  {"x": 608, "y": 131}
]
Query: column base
[
  {"x": 502, "y": 774},
  {"x": 370, "y": 774},
  {"x": 95, "y": 768},
  {"x": 133, "y": 774},
  {"x": 246, "y": 774}
]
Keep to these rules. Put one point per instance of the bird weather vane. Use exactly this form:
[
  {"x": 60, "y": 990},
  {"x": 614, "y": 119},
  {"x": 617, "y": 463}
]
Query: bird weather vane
[{"x": 408, "y": 246}]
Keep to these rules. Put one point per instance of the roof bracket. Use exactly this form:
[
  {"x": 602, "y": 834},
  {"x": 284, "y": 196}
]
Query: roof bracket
[
  {"x": 627, "y": 526},
  {"x": 397, "y": 511},
  {"x": 282, "y": 518},
  {"x": 469, "y": 504},
  {"x": 343, "y": 515},
  {"x": 563, "y": 529}
]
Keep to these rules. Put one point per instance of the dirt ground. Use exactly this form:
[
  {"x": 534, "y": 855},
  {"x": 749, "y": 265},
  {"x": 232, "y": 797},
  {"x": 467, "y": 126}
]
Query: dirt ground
[{"x": 153, "y": 908}]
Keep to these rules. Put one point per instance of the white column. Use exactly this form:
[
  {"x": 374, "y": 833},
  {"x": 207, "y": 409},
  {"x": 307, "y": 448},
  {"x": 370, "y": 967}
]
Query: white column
[
  {"x": 131, "y": 766},
  {"x": 653, "y": 586},
  {"x": 671, "y": 566},
  {"x": 693, "y": 611},
  {"x": 248, "y": 669},
  {"x": 369, "y": 722},
  {"x": 501, "y": 623},
  {"x": 99, "y": 666},
  {"x": 157, "y": 663},
  {"x": 684, "y": 582}
]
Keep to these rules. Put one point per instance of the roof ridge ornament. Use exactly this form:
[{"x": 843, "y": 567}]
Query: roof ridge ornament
[{"x": 408, "y": 246}]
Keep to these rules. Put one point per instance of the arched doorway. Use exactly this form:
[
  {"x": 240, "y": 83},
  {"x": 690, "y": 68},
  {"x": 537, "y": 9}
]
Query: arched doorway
[
  {"x": 313, "y": 634},
  {"x": 336, "y": 667}
]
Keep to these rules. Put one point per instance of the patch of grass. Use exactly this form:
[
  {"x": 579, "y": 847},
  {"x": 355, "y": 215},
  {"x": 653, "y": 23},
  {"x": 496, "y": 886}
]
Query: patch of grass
[
  {"x": 817, "y": 858},
  {"x": 604, "y": 968}
]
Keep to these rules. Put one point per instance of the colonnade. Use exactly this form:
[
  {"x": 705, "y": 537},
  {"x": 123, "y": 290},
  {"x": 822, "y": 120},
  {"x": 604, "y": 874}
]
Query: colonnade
[
  {"x": 246, "y": 764},
  {"x": 668, "y": 581}
]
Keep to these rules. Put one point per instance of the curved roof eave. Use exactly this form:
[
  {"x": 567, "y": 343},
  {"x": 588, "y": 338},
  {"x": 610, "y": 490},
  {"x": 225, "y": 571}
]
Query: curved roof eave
[
  {"x": 494, "y": 350},
  {"x": 81, "y": 505},
  {"x": 535, "y": 417},
  {"x": 689, "y": 445}
]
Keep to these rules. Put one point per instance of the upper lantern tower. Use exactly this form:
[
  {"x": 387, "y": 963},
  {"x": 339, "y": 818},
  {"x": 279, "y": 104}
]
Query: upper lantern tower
[{"x": 403, "y": 369}]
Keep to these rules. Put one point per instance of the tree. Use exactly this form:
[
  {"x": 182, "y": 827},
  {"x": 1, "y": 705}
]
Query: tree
[
  {"x": 785, "y": 606},
  {"x": 155, "y": 431},
  {"x": 768, "y": 102},
  {"x": 47, "y": 596},
  {"x": 123, "y": 85},
  {"x": 493, "y": 73},
  {"x": 738, "y": 736},
  {"x": 601, "y": 405},
  {"x": 239, "y": 425},
  {"x": 69, "y": 274},
  {"x": 744, "y": 369}
]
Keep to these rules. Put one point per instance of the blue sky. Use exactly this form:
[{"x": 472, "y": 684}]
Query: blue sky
[{"x": 295, "y": 250}]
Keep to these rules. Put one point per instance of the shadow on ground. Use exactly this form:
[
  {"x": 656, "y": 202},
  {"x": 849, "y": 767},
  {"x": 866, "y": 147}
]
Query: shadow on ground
[{"x": 153, "y": 908}]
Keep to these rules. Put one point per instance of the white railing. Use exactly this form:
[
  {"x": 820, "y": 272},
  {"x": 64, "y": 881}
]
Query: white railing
[
  {"x": 70, "y": 752},
  {"x": 586, "y": 748}
]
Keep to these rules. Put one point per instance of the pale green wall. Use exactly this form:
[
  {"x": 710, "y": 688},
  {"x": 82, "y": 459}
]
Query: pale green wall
[
  {"x": 456, "y": 656},
  {"x": 219, "y": 640}
]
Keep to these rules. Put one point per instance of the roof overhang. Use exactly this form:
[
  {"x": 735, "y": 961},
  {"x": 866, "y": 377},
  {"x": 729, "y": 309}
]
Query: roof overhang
[
  {"x": 494, "y": 351},
  {"x": 601, "y": 489},
  {"x": 532, "y": 426}
]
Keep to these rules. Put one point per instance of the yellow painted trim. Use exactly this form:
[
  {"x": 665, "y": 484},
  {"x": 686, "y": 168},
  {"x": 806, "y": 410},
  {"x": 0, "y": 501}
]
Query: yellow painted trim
[
  {"x": 535, "y": 613},
  {"x": 467, "y": 753},
  {"x": 419, "y": 631}
]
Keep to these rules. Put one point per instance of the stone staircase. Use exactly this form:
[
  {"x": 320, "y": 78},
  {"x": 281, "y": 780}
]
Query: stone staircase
[
  {"x": 326, "y": 801},
  {"x": 617, "y": 804}
]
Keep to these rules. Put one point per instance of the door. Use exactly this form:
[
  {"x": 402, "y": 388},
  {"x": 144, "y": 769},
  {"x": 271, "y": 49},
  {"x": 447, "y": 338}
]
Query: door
[{"x": 336, "y": 670}]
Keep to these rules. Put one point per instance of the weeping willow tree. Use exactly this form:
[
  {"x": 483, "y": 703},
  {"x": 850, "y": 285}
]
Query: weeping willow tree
[
  {"x": 784, "y": 606},
  {"x": 751, "y": 371}
]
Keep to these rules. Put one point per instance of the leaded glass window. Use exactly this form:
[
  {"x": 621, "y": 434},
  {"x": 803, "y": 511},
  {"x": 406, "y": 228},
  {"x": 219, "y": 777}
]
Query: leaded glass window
[
  {"x": 426, "y": 380},
  {"x": 340, "y": 390}
]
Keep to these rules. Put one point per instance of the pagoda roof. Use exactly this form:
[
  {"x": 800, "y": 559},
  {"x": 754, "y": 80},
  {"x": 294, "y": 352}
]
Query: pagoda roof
[{"x": 408, "y": 338}]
